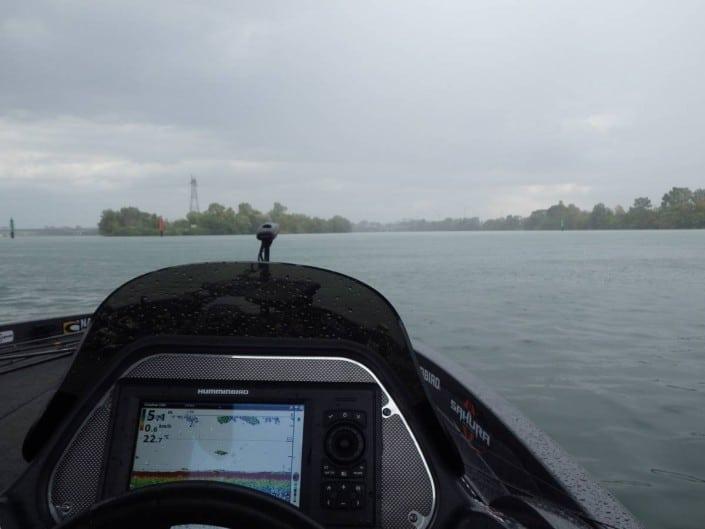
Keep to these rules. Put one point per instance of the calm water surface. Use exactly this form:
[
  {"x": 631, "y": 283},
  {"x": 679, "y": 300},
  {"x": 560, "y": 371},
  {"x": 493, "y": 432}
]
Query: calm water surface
[{"x": 599, "y": 337}]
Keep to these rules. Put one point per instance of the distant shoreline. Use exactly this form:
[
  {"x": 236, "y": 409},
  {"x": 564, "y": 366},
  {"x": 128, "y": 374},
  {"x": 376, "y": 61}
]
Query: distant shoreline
[
  {"x": 680, "y": 209},
  {"x": 37, "y": 232},
  {"x": 30, "y": 233}
]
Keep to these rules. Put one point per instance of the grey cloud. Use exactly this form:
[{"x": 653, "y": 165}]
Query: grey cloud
[{"x": 448, "y": 109}]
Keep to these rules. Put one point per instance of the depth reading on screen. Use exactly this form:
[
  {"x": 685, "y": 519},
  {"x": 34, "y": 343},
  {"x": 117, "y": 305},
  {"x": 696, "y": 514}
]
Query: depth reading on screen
[{"x": 253, "y": 445}]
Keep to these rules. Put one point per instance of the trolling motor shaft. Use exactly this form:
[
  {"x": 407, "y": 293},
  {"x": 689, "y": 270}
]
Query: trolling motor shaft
[{"x": 266, "y": 233}]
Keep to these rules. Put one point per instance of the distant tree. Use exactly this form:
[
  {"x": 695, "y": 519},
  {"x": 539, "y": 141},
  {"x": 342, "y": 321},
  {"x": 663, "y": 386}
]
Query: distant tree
[
  {"x": 641, "y": 215},
  {"x": 601, "y": 217},
  {"x": 677, "y": 197},
  {"x": 340, "y": 224},
  {"x": 677, "y": 209},
  {"x": 510, "y": 222},
  {"x": 618, "y": 221},
  {"x": 127, "y": 221},
  {"x": 245, "y": 209},
  {"x": 555, "y": 217},
  {"x": 536, "y": 220},
  {"x": 108, "y": 222},
  {"x": 699, "y": 210},
  {"x": 642, "y": 203},
  {"x": 249, "y": 214},
  {"x": 277, "y": 212}
]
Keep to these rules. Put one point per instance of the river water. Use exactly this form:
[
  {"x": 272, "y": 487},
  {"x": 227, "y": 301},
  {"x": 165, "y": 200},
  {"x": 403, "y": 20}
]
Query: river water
[{"x": 599, "y": 337}]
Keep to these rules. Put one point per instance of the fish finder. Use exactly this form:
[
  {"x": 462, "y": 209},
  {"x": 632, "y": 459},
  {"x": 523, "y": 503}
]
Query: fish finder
[
  {"x": 315, "y": 447},
  {"x": 256, "y": 445}
]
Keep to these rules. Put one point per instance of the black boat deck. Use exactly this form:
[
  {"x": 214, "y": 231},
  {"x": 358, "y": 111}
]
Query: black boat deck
[{"x": 29, "y": 373}]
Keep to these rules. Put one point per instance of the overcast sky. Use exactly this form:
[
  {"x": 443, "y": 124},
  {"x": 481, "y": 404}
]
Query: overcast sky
[{"x": 379, "y": 110}]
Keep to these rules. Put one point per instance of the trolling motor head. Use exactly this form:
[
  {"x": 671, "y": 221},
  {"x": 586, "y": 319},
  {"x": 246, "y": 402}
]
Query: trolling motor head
[{"x": 266, "y": 233}]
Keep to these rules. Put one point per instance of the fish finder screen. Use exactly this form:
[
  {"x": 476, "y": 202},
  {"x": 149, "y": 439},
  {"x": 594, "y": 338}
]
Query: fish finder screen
[{"x": 253, "y": 445}]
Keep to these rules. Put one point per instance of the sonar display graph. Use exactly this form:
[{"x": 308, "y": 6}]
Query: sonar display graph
[{"x": 252, "y": 445}]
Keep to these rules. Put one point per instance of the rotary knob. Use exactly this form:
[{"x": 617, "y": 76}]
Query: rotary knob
[{"x": 344, "y": 444}]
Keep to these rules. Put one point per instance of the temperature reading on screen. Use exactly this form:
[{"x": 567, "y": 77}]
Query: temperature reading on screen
[{"x": 252, "y": 445}]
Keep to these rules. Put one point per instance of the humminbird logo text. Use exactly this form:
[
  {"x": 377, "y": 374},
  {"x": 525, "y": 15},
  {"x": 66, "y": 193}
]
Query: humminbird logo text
[
  {"x": 218, "y": 391},
  {"x": 430, "y": 377},
  {"x": 471, "y": 428}
]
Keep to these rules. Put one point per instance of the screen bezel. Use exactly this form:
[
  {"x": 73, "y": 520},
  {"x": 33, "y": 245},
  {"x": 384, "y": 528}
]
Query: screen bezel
[{"x": 131, "y": 396}]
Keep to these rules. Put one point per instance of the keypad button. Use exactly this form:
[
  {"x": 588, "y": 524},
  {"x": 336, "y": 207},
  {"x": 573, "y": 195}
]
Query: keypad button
[
  {"x": 357, "y": 496},
  {"x": 359, "y": 417},
  {"x": 329, "y": 495},
  {"x": 343, "y": 502},
  {"x": 355, "y": 416},
  {"x": 341, "y": 495},
  {"x": 358, "y": 471},
  {"x": 327, "y": 470},
  {"x": 330, "y": 416}
]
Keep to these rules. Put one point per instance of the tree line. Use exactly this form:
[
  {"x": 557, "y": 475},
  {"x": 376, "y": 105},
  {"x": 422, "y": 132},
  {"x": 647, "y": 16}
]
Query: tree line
[
  {"x": 680, "y": 208},
  {"x": 218, "y": 220}
]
